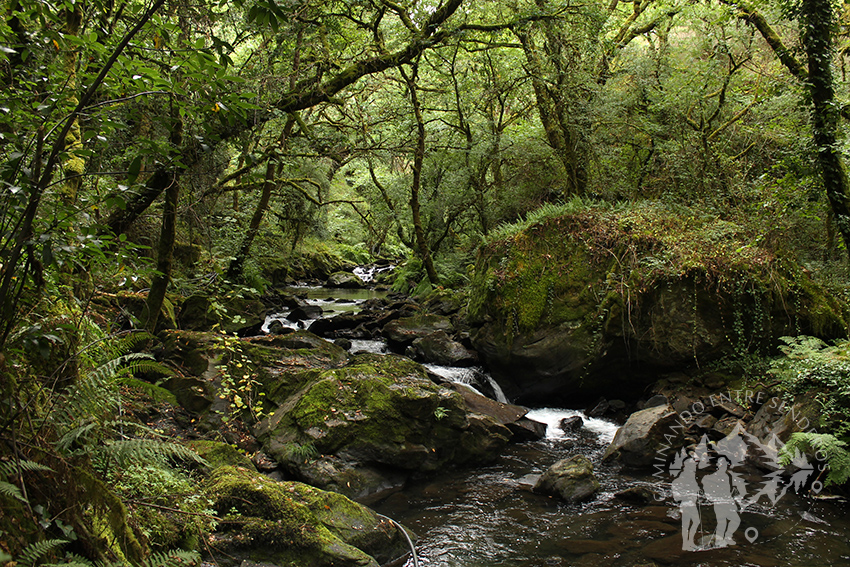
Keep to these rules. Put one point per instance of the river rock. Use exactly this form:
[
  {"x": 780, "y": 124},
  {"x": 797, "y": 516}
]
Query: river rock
[
  {"x": 572, "y": 479},
  {"x": 513, "y": 417},
  {"x": 303, "y": 312},
  {"x": 378, "y": 413},
  {"x": 646, "y": 434},
  {"x": 440, "y": 348},
  {"x": 345, "y": 280},
  {"x": 400, "y": 333},
  {"x": 273, "y": 362},
  {"x": 287, "y": 523},
  {"x": 571, "y": 424}
]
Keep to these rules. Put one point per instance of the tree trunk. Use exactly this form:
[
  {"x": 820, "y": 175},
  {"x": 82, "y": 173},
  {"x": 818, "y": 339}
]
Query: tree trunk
[
  {"x": 273, "y": 170},
  {"x": 416, "y": 184},
  {"x": 165, "y": 256},
  {"x": 817, "y": 21},
  {"x": 167, "y": 237}
]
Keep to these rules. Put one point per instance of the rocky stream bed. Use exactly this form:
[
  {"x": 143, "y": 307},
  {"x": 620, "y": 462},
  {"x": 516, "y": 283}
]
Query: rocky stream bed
[{"x": 374, "y": 400}]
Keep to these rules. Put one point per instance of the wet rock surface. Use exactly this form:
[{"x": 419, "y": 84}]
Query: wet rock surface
[{"x": 570, "y": 479}]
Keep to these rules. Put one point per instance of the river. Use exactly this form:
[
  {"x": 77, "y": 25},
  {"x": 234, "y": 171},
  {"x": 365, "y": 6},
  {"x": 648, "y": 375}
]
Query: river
[{"x": 486, "y": 516}]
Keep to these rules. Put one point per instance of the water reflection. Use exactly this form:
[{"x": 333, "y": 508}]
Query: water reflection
[{"x": 484, "y": 518}]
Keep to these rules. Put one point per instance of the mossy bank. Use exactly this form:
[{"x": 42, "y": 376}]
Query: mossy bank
[{"x": 588, "y": 299}]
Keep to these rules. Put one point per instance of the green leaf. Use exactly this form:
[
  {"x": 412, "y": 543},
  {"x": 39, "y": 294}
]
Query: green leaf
[{"x": 134, "y": 169}]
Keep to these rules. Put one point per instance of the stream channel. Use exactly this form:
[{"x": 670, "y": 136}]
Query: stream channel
[{"x": 487, "y": 516}]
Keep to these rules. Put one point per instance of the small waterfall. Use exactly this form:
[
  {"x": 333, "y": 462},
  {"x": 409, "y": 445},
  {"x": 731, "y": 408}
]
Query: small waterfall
[
  {"x": 368, "y": 273},
  {"x": 500, "y": 394},
  {"x": 473, "y": 377}
]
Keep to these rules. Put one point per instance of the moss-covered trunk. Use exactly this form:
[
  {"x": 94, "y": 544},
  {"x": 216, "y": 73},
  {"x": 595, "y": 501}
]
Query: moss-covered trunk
[
  {"x": 817, "y": 22},
  {"x": 167, "y": 238}
]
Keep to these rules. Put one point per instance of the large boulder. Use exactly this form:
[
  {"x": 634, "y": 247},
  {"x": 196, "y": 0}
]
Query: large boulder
[
  {"x": 257, "y": 367},
  {"x": 290, "y": 523},
  {"x": 513, "y": 417},
  {"x": 345, "y": 280},
  {"x": 645, "y": 436},
  {"x": 377, "y": 418},
  {"x": 591, "y": 301},
  {"x": 240, "y": 315},
  {"x": 400, "y": 333},
  {"x": 440, "y": 348},
  {"x": 570, "y": 479}
]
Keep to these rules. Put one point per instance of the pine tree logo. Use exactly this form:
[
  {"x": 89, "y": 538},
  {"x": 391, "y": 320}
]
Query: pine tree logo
[{"x": 710, "y": 477}]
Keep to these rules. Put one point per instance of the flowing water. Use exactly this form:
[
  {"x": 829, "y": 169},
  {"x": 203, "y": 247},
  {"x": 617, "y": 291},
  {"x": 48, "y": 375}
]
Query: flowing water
[
  {"x": 332, "y": 302},
  {"x": 487, "y": 516}
]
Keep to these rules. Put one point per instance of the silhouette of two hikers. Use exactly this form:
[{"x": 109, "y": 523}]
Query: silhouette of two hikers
[{"x": 724, "y": 489}]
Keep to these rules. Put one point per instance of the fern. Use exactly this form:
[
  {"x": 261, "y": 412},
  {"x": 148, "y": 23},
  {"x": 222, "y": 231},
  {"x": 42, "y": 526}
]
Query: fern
[
  {"x": 837, "y": 457},
  {"x": 127, "y": 451},
  {"x": 172, "y": 558},
  {"x": 11, "y": 468},
  {"x": 12, "y": 491},
  {"x": 35, "y": 551}
]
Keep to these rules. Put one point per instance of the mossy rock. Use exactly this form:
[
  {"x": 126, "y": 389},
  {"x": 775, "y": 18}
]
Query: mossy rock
[
  {"x": 595, "y": 299},
  {"x": 400, "y": 333},
  {"x": 381, "y": 411},
  {"x": 219, "y": 454},
  {"x": 236, "y": 315},
  {"x": 290, "y": 523},
  {"x": 276, "y": 363}
]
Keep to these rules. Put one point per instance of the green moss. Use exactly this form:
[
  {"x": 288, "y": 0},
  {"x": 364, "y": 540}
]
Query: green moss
[
  {"x": 290, "y": 522},
  {"x": 219, "y": 454},
  {"x": 595, "y": 266}
]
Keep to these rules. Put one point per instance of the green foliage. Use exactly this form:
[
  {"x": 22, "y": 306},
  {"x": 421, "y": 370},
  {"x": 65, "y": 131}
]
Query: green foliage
[
  {"x": 810, "y": 366},
  {"x": 239, "y": 382},
  {"x": 827, "y": 447},
  {"x": 36, "y": 551}
]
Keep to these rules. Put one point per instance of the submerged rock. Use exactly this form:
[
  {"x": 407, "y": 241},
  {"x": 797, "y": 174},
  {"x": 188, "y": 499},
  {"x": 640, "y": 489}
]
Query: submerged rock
[{"x": 571, "y": 479}]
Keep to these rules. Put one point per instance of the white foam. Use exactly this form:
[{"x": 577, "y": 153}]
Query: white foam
[{"x": 552, "y": 418}]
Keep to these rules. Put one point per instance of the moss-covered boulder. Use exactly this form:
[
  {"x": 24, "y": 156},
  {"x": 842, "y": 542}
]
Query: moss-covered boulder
[
  {"x": 240, "y": 315},
  {"x": 292, "y": 524},
  {"x": 211, "y": 365},
  {"x": 570, "y": 479},
  {"x": 589, "y": 300},
  {"x": 347, "y": 280},
  {"x": 353, "y": 428}
]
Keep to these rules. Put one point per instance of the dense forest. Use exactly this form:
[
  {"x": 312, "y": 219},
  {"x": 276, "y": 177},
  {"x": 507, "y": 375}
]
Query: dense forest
[{"x": 153, "y": 152}]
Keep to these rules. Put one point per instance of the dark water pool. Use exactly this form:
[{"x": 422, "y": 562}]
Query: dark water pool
[{"x": 483, "y": 517}]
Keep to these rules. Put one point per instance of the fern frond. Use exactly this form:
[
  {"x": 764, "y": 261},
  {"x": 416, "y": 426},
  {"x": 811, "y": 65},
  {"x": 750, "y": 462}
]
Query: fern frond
[
  {"x": 158, "y": 393},
  {"x": 74, "y": 436},
  {"x": 140, "y": 451},
  {"x": 72, "y": 560},
  {"x": 837, "y": 456},
  {"x": 12, "y": 491},
  {"x": 8, "y": 468},
  {"x": 35, "y": 551},
  {"x": 174, "y": 558}
]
